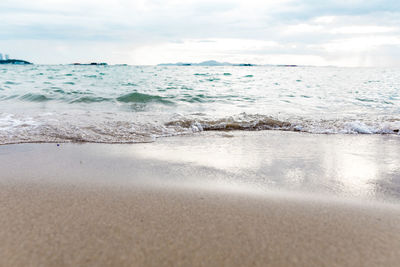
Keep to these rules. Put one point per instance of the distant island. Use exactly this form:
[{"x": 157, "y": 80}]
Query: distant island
[
  {"x": 14, "y": 62},
  {"x": 7, "y": 60},
  {"x": 90, "y": 64},
  {"x": 206, "y": 63}
]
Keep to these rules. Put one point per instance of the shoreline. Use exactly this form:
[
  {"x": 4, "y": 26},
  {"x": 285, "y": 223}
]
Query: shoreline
[
  {"x": 363, "y": 167},
  {"x": 220, "y": 132}
]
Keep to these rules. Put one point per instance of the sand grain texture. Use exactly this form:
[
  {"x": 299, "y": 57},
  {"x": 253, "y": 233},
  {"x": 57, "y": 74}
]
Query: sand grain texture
[{"x": 77, "y": 226}]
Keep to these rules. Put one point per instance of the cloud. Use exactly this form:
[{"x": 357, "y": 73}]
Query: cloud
[{"x": 145, "y": 31}]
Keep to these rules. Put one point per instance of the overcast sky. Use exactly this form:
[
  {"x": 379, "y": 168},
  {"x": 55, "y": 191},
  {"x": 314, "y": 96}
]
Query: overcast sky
[{"x": 313, "y": 32}]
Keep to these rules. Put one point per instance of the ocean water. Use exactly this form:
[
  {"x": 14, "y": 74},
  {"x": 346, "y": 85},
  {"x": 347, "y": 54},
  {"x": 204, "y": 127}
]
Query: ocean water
[{"x": 127, "y": 104}]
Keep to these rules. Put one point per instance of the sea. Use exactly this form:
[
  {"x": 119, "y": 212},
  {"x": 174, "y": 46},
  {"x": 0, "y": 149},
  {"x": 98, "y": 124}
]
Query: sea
[{"x": 130, "y": 104}]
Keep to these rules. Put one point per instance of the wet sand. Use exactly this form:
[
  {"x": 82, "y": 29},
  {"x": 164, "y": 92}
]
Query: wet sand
[{"x": 171, "y": 203}]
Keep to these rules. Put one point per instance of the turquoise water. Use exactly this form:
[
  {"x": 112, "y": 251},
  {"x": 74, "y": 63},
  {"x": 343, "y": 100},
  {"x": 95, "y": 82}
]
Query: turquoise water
[{"x": 120, "y": 104}]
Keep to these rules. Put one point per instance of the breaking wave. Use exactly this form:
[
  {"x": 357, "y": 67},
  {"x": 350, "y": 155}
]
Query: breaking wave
[{"x": 14, "y": 129}]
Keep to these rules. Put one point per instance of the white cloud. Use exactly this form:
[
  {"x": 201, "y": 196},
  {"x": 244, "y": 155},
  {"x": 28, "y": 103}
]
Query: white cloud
[
  {"x": 360, "y": 44},
  {"x": 146, "y": 31},
  {"x": 361, "y": 29},
  {"x": 303, "y": 28},
  {"x": 324, "y": 19}
]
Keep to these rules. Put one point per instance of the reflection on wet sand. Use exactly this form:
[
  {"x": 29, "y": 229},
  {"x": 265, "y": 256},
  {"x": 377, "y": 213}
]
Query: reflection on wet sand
[
  {"x": 353, "y": 166},
  {"x": 359, "y": 166}
]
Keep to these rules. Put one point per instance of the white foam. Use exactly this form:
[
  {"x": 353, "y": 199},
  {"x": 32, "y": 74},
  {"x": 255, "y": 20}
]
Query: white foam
[
  {"x": 359, "y": 127},
  {"x": 112, "y": 128}
]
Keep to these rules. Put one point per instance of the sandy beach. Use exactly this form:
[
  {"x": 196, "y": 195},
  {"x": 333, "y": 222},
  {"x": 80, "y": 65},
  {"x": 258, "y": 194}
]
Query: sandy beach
[
  {"x": 199, "y": 133},
  {"x": 244, "y": 199}
]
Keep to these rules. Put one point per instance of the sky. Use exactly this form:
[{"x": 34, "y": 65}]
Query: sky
[{"x": 347, "y": 33}]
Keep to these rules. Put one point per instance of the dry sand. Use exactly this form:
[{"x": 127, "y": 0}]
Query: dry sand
[{"x": 65, "y": 206}]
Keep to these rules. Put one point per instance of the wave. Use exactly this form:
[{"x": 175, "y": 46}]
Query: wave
[
  {"x": 230, "y": 124},
  {"x": 98, "y": 128},
  {"x": 35, "y": 97},
  {"x": 136, "y": 97},
  {"x": 261, "y": 122},
  {"x": 257, "y": 122},
  {"x": 76, "y": 97},
  {"x": 90, "y": 99}
]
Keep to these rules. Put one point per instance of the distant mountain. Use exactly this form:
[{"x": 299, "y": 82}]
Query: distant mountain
[
  {"x": 206, "y": 63},
  {"x": 213, "y": 63}
]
